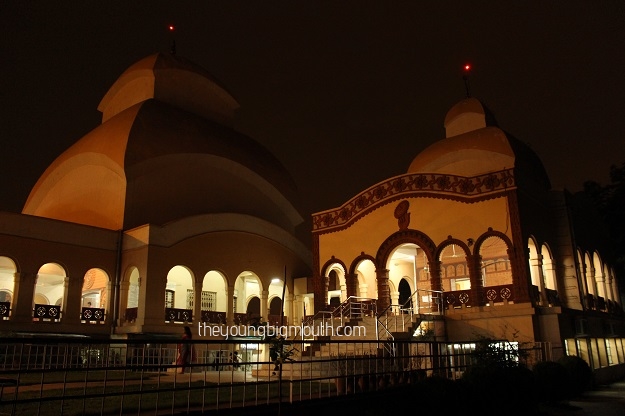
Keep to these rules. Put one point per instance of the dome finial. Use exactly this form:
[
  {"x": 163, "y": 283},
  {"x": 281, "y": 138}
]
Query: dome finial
[{"x": 465, "y": 77}]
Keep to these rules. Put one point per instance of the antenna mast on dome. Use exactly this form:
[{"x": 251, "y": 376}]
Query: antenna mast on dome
[
  {"x": 172, "y": 29},
  {"x": 465, "y": 77}
]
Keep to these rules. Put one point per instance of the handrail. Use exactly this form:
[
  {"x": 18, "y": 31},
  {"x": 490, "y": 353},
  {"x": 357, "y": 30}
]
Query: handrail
[
  {"x": 352, "y": 307},
  {"x": 382, "y": 318}
]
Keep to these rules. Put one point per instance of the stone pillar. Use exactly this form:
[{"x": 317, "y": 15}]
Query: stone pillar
[
  {"x": 288, "y": 312},
  {"x": 537, "y": 268},
  {"x": 23, "y": 292},
  {"x": 157, "y": 308},
  {"x": 351, "y": 284},
  {"x": 436, "y": 298},
  {"x": 363, "y": 289},
  {"x": 520, "y": 281},
  {"x": 601, "y": 286},
  {"x": 264, "y": 295},
  {"x": 230, "y": 305},
  {"x": 124, "y": 287},
  {"x": 197, "y": 302},
  {"x": 476, "y": 297},
  {"x": 592, "y": 284},
  {"x": 384, "y": 296},
  {"x": 298, "y": 309},
  {"x": 395, "y": 301},
  {"x": 72, "y": 301}
]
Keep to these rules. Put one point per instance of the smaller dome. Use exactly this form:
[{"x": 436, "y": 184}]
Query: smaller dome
[
  {"x": 474, "y": 145},
  {"x": 467, "y": 115}
]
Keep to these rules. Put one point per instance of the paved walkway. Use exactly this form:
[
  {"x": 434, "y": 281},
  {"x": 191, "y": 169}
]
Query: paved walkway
[{"x": 608, "y": 400}]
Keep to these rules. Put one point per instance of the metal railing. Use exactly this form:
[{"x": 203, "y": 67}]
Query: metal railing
[
  {"x": 83, "y": 376},
  {"x": 401, "y": 317},
  {"x": 353, "y": 307}
]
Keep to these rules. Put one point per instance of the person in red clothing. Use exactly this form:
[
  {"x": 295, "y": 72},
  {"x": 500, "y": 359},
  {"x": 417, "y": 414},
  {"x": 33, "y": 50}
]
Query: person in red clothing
[{"x": 185, "y": 351}]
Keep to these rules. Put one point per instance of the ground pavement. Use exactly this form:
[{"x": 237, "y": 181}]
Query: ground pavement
[{"x": 607, "y": 400}]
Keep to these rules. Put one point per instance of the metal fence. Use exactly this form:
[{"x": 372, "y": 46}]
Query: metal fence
[{"x": 83, "y": 376}]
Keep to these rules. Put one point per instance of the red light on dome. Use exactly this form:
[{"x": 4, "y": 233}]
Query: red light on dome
[
  {"x": 467, "y": 67},
  {"x": 171, "y": 28}
]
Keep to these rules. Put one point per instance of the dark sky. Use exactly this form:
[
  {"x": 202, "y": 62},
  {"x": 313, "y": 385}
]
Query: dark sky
[{"x": 344, "y": 93}]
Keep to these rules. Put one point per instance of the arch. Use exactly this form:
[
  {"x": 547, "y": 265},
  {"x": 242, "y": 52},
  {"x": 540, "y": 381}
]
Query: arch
[
  {"x": 130, "y": 296},
  {"x": 589, "y": 272},
  {"x": 132, "y": 300},
  {"x": 610, "y": 283},
  {"x": 274, "y": 297},
  {"x": 95, "y": 295},
  {"x": 429, "y": 269},
  {"x": 50, "y": 284},
  {"x": 408, "y": 262},
  {"x": 365, "y": 271},
  {"x": 535, "y": 263},
  {"x": 452, "y": 255},
  {"x": 549, "y": 268},
  {"x": 335, "y": 268},
  {"x": 405, "y": 292},
  {"x": 333, "y": 281},
  {"x": 41, "y": 299},
  {"x": 275, "y": 305},
  {"x": 405, "y": 237},
  {"x": 495, "y": 267},
  {"x": 252, "y": 307},
  {"x": 246, "y": 285},
  {"x": 8, "y": 270},
  {"x": 94, "y": 288},
  {"x": 599, "y": 277},
  {"x": 180, "y": 282},
  {"x": 213, "y": 296}
]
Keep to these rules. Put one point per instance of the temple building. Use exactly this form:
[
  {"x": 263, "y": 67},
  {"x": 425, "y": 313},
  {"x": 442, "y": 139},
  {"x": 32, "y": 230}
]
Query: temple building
[
  {"x": 475, "y": 243},
  {"x": 165, "y": 215},
  {"x": 161, "y": 216}
]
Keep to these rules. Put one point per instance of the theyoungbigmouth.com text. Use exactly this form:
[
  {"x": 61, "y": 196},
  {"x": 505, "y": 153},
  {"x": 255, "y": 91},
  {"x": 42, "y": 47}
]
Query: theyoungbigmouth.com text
[{"x": 284, "y": 331}]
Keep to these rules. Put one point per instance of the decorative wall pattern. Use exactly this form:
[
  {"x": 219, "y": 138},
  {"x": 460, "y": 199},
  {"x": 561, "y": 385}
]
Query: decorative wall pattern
[{"x": 449, "y": 186}]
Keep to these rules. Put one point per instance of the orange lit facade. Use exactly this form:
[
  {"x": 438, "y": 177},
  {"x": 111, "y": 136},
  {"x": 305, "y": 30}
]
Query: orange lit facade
[
  {"x": 165, "y": 215},
  {"x": 473, "y": 232},
  {"x": 162, "y": 216}
]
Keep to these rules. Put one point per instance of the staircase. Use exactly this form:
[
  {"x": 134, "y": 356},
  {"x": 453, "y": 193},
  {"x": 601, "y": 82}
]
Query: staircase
[{"x": 370, "y": 334}]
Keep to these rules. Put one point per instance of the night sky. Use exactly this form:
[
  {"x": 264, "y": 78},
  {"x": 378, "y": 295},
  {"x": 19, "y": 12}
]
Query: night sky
[{"x": 344, "y": 93}]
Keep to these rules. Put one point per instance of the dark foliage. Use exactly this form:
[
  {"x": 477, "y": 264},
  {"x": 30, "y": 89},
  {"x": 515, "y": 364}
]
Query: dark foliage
[
  {"x": 552, "y": 381},
  {"x": 579, "y": 374}
]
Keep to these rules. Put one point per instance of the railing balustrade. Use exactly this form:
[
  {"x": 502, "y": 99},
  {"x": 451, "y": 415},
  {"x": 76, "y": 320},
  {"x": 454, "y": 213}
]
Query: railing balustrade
[
  {"x": 5, "y": 310},
  {"x": 178, "y": 315},
  {"x": 51, "y": 376},
  {"x": 49, "y": 313}
]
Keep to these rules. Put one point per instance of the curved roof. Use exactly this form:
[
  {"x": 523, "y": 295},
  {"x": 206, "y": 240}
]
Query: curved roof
[
  {"x": 156, "y": 161},
  {"x": 171, "y": 79},
  {"x": 475, "y": 146}
]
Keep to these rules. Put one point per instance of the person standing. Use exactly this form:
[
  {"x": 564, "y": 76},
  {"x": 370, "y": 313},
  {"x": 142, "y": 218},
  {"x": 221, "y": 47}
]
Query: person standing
[{"x": 185, "y": 351}]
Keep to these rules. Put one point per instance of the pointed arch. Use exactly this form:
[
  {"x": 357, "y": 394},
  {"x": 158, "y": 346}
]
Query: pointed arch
[
  {"x": 331, "y": 270},
  {"x": 401, "y": 237},
  {"x": 453, "y": 256}
]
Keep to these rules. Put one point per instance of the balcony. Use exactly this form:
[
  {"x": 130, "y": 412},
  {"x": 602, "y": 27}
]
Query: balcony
[
  {"x": 213, "y": 317},
  {"x": 5, "y": 310},
  {"x": 178, "y": 315},
  {"x": 92, "y": 315},
  {"x": 47, "y": 313}
]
